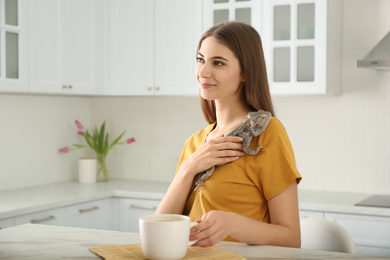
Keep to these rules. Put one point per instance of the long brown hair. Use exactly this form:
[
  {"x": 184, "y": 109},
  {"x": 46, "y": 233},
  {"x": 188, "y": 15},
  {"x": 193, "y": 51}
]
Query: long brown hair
[{"x": 244, "y": 41}]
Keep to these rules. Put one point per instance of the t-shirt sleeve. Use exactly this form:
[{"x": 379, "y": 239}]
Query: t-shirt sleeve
[{"x": 275, "y": 167}]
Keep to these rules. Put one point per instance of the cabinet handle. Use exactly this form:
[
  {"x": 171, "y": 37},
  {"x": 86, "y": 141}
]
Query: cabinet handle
[
  {"x": 64, "y": 86},
  {"x": 70, "y": 86},
  {"x": 157, "y": 88},
  {"x": 142, "y": 207},
  {"x": 35, "y": 221},
  {"x": 150, "y": 88},
  {"x": 87, "y": 210}
]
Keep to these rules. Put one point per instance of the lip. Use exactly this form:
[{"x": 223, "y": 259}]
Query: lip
[{"x": 206, "y": 85}]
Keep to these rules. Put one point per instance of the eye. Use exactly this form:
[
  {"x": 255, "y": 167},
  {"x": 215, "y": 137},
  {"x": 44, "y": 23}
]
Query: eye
[
  {"x": 218, "y": 63},
  {"x": 199, "y": 60}
]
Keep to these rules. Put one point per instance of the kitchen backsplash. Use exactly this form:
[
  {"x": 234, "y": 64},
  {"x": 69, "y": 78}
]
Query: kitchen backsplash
[{"x": 341, "y": 143}]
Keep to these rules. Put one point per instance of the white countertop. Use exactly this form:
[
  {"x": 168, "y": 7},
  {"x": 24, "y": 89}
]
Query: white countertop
[
  {"x": 33, "y": 241},
  {"x": 32, "y": 199}
]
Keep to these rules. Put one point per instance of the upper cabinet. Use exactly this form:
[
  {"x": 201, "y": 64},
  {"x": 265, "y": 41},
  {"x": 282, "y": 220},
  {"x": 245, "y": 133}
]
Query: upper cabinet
[
  {"x": 301, "y": 40},
  {"x": 246, "y": 11},
  {"x": 151, "y": 47},
  {"x": 13, "y": 45},
  {"x": 302, "y": 44},
  {"x": 147, "y": 47},
  {"x": 63, "y": 46}
]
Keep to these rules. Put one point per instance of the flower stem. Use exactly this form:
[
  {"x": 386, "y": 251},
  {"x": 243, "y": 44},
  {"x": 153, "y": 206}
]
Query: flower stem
[{"x": 101, "y": 158}]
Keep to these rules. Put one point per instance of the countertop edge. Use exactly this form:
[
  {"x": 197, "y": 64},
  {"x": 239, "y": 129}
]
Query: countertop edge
[{"x": 13, "y": 203}]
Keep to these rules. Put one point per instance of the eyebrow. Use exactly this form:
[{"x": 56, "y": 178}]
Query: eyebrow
[{"x": 214, "y": 58}]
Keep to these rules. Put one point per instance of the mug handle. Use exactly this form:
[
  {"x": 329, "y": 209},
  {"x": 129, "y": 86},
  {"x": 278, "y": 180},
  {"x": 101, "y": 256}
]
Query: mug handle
[{"x": 190, "y": 243}]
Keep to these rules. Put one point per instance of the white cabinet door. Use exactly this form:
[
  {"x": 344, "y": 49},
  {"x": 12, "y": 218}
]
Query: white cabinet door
[
  {"x": 13, "y": 46},
  {"x": 371, "y": 234},
  {"x": 130, "y": 44},
  {"x": 129, "y": 211},
  {"x": 94, "y": 214},
  {"x": 63, "y": 46},
  {"x": 7, "y": 222},
  {"x": 47, "y": 217},
  {"x": 177, "y": 31},
  {"x": 302, "y": 45},
  {"x": 151, "y": 47}
]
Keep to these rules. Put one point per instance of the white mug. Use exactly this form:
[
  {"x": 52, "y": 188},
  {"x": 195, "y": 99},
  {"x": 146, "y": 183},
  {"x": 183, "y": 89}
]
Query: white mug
[{"x": 165, "y": 236}]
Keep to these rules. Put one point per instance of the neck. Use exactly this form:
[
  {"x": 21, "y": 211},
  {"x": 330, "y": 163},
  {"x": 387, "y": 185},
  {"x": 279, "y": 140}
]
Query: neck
[{"x": 229, "y": 116}]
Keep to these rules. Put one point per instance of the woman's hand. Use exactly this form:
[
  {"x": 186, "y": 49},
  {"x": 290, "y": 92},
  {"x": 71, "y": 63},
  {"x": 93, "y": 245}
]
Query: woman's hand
[
  {"x": 219, "y": 150},
  {"x": 214, "y": 227}
]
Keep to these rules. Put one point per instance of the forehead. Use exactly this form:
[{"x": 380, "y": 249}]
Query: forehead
[{"x": 213, "y": 47}]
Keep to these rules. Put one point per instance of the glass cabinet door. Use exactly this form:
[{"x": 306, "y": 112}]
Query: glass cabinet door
[
  {"x": 12, "y": 45},
  {"x": 217, "y": 11},
  {"x": 295, "y": 48},
  {"x": 293, "y": 35}
]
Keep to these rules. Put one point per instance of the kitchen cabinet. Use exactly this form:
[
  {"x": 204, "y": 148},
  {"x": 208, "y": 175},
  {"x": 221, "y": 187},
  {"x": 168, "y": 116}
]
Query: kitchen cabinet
[
  {"x": 310, "y": 214},
  {"x": 7, "y": 222},
  {"x": 13, "y": 46},
  {"x": 217, "y": 11},
  {"x": 152, "y": 47},
  {"x": 94, "y": 214},
  {"x": 301, "y": 40},
  {"x": 63, "y": 46},
  {"x": 129, "y": 210},
  {"x": 371, "y": 234},
  {"x": 47, "y": 217},
  {"x": 302, "y": 45}
]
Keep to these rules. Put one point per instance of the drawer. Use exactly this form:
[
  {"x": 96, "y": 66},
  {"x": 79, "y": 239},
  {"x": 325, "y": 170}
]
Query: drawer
[
  {"x": 47, "y": 217},
  {"x": 129, "y": 211},
  {"x": 7, "y": 222},
  {"x": 93, "y": 214}
]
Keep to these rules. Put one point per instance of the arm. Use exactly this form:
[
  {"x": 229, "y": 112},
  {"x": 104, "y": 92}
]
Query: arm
[
  {"x": 220, "y": 150},
  {"x": 284, "y": 229}
]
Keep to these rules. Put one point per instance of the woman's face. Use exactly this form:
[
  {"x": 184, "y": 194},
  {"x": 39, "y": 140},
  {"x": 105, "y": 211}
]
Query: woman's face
[{"x": 218, "y": 71}]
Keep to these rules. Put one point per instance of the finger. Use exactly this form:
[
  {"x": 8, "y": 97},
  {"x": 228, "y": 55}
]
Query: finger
[
  {"x": 230, "y": 153},
  {"x": 224, "y": 139},
  {"x": 229, "y": 146}
]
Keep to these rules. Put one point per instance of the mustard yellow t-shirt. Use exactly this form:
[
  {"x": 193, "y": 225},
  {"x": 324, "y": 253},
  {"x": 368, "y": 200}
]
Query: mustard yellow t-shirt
[{"x": 245, "y": 185}]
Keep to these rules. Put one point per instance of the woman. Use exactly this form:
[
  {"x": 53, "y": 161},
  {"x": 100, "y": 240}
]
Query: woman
[{"x": 248, "y": 198}]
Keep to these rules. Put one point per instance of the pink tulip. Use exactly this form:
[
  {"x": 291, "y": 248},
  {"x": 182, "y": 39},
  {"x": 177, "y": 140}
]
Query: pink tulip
[
  {"x": 64, "y": 149},
  {"x": 79, "y": 125},
  {"x": 130, "y": 140}
]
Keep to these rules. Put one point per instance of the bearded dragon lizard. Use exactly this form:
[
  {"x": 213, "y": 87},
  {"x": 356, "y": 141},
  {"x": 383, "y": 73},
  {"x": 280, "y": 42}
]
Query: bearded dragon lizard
[{"x": 255, "y": 123}]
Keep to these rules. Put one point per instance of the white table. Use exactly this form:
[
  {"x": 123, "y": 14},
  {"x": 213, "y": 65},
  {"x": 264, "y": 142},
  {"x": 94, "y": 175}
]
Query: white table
[{"x": 32, "y": 241}]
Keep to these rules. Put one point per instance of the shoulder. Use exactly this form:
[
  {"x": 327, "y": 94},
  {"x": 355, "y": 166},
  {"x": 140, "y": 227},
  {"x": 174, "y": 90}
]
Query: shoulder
[
  {"x": 274, "y": 133},
  {"x": 275, "y": 126}
]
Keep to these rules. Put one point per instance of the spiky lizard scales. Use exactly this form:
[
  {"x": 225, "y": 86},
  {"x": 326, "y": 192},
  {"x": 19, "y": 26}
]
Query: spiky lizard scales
[{"x": 255, "y": 123}]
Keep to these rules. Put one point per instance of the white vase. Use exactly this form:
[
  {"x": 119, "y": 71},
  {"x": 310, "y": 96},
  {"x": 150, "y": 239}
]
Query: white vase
[{"x": 87, "y": 170}]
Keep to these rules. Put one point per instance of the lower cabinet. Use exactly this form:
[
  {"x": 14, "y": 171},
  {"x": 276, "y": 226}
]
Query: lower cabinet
[
  {"x": 7, "y": 222},
  {"x": 47, "y": 217},
  {"x": 95, "y": 214},
  {"x": 310, "y": 214},
  {"x": 371, "y": 234},
  {"x": 129, "y": 210}
]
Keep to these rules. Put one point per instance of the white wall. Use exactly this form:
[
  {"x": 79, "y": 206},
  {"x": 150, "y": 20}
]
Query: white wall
[
  {"x": 32, "y": 129},
  {"x": 341, "y": 142}
]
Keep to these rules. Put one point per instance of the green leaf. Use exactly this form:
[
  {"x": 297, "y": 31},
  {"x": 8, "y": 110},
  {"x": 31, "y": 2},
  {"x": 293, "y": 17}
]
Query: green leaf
[{"x": 116, "y": 141}]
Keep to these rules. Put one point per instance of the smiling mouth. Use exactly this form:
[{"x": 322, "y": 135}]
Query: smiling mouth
[{"x": 206, "y": 85}]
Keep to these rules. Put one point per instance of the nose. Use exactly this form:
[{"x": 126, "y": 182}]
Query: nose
[{"x": 203, "y": 70}]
